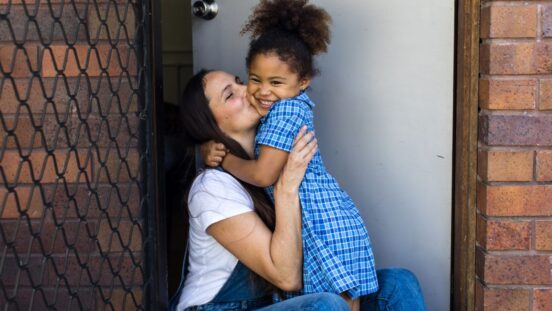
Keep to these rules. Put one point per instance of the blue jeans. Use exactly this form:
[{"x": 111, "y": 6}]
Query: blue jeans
[{"x": 399, "y": 290}]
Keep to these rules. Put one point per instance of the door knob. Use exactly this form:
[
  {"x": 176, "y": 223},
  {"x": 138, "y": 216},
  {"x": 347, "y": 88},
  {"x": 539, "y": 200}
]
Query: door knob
[{"x": 206, "y": 9}]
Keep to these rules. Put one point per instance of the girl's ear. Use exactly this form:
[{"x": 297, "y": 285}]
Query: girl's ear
[{"x": 304, "y": 83}]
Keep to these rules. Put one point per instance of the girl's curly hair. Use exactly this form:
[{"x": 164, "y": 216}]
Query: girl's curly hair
[{"x": 293, "y": 29}]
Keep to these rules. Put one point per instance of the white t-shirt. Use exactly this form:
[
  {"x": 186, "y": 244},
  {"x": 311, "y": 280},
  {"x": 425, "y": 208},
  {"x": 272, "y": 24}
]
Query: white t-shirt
[{"x": 214, "y": 196}]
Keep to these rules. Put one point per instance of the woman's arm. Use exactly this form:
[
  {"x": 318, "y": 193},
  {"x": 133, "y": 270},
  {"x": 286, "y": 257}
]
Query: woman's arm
[
  {"x": 276, "y": 256},
  {"x": 263, "y": 171}
]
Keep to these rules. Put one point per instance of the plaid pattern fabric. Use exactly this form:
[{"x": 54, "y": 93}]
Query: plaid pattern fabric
[{"x": 336, "y": 247}]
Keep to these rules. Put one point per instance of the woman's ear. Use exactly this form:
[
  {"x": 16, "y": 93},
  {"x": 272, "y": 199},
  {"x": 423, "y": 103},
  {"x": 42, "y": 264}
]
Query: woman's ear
[{"x": 304, "y": 83}]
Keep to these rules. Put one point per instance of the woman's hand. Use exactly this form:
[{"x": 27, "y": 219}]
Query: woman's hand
[
  {"x": 304, "y": 148},
  {"x": 212, "y": 153}
]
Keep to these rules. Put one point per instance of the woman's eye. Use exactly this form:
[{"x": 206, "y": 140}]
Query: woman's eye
[{"x": 229, "y": 96}]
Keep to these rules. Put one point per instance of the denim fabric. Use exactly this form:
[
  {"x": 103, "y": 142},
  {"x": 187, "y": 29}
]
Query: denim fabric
[
  {"x": 310, "y": 302},
  {"x": 239, "y": 293},
  {"x": 399, "y": 290}
]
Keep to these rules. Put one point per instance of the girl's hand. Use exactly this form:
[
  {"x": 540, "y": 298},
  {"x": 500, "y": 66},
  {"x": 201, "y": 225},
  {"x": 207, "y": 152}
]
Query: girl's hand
[
  {"x": 212, "y": 153},
  {"x": 304, "y": 148}
]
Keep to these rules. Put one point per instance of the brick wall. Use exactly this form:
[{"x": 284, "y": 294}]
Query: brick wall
[
  {"x": 514, "y": 193},
  {"x": 70, "y": 226}
]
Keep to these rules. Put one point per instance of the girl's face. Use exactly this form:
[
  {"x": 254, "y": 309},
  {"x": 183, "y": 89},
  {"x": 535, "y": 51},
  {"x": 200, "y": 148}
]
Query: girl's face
[
  {"x": 228, "y": 102},
  {"x": 271, "y": 79}
]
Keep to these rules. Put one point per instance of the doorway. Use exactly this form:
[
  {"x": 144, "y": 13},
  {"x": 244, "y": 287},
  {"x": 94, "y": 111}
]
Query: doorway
[{"x": 398, "y": 123}]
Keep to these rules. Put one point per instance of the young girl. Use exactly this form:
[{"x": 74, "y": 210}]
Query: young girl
[{"x": 286, "y": 35}]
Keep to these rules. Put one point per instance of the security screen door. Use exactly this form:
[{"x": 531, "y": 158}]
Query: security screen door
[{"x": 384, "y": 120}]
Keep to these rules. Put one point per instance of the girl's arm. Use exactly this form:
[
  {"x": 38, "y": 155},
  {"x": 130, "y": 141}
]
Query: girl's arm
[
  {"x": 263, "y": 171},
  {"x": 275, "y": 256}
]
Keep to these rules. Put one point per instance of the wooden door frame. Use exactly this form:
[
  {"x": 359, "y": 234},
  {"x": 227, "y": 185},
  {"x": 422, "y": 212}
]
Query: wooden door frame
[{"x": 465, "y": 153}]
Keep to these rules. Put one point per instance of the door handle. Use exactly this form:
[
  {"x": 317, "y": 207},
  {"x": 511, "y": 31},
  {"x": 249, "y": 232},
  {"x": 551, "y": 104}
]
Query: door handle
[{"x": 206, "y": 9}]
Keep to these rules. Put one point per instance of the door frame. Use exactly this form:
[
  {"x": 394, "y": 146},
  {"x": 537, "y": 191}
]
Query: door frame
[{"x": 465, "y": 154}]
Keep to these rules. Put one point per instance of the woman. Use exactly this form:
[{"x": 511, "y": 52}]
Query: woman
[{"x": 228, "y": 238}]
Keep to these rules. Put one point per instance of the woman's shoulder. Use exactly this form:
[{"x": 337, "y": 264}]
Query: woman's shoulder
[
  {"x": 212, "y": 178},
  {"x": 216, "y": 195}
]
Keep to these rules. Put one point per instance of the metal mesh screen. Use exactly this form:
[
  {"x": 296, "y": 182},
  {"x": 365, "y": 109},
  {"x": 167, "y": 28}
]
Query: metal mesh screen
[{"x": 75, "y": 160}]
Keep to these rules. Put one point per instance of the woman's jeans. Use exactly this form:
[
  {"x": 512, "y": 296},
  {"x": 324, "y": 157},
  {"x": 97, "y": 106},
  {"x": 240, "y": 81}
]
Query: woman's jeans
[{"x": 399, "y": 290}]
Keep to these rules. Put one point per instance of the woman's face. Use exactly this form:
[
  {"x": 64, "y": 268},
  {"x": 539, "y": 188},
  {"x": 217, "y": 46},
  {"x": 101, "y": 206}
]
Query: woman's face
[{"x": 228, "y": 102}]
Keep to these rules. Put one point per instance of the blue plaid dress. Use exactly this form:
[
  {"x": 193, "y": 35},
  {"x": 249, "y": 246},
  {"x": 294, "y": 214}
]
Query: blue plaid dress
[{"x": 336, "y": 247}]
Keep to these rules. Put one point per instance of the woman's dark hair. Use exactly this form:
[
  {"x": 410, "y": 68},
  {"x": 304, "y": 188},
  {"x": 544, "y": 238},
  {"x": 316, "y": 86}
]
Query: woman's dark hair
[
  {"x": 200, "y": 126},
  {"x": 292, "y": 29}
]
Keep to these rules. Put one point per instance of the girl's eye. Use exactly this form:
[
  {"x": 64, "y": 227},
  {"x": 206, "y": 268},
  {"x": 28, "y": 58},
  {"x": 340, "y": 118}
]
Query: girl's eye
[
  {"x": 276, "y": 83},
  {"x": 254, "y": 80}
]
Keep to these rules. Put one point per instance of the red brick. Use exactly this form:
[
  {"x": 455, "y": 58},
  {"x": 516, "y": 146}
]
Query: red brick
[
  {"x": 112, "y": 270},
  {"x": 110, "y": 166},
  {"x": 505, "y": 165},
  {"x": 89, "y": 95},
  {"x": 534, "y": 200},
  {"x": 512, "y": 21},
  {"x": 19, "y": 62},
  {"x": 515, "y": 269},
  {"x": 503, "y": 234},
  {"x": 494, "y": 299},
  {"x": 545, "y": 94},
  {"x": 33, "y": 268},
  {"x": 544, "y": 57},
  {"x": 24, "y": 29},
  {"x": 507, "y": 94},
  {"x": 30, "y": 202},
  {"x": 544, "y": 165},
  {"x": 51, "y": 239},
  {"x": 515, "y": 130},
  {"x": 122, "y": 199},
  {"x": 124, "y": 236},
  {"x": 542, "y": 300},
  {"x": 93, "y": 61},
  {"x": 127, "y": 300},
  {"x": 112, "y": 22},
  {"x": 74, "y": 132},
  {"x": 547, "y": 21},
  {"x": 51, "y": 298},
  {"x": 508, "y": 58},
  {"x": 61, "y": 1},
  {"x": 44, "y": 166},
  {"x": 543, "y": 235}
]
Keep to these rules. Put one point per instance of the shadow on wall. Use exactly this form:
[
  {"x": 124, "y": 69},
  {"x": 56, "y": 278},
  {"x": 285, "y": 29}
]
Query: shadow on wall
[{"x": 179, "y": 164}]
